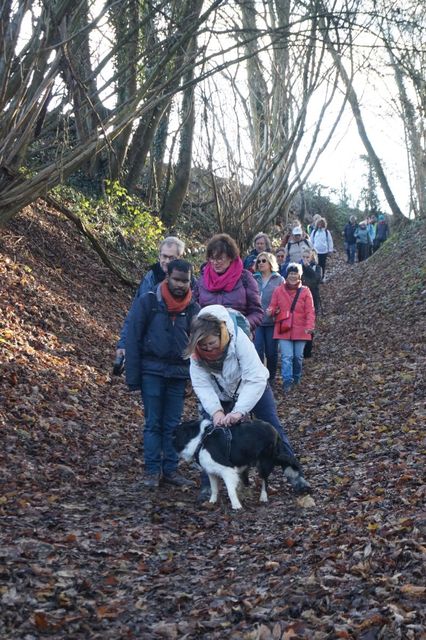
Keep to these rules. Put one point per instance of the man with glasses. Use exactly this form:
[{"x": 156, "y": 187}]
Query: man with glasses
[{"x": 171, "y": 248}]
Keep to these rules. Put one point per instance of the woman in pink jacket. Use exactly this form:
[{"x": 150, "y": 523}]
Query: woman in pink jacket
[{"x": 293, "y": 311}]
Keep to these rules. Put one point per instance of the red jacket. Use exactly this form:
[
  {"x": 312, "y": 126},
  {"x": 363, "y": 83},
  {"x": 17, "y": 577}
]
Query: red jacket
[{"x": 303, "y": 316}]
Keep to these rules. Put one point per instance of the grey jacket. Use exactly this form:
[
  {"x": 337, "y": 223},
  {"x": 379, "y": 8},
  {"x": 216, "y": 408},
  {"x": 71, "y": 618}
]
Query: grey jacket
[{"x": 266, "y": 292}]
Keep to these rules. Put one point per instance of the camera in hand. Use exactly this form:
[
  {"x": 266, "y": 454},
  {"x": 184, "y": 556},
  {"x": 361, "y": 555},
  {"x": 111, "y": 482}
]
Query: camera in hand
[{"x": 118, "y": 367}]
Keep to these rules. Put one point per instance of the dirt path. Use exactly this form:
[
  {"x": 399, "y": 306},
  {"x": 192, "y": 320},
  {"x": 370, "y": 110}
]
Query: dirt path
[{"x": 88, "y": 553}]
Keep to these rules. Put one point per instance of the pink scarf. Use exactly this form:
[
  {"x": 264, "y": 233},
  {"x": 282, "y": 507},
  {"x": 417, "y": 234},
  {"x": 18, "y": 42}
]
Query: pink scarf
[{"x": 223, "y": 281}]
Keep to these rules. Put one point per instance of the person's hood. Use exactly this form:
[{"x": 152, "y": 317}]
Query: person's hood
[{"x": 221, "y": 313}]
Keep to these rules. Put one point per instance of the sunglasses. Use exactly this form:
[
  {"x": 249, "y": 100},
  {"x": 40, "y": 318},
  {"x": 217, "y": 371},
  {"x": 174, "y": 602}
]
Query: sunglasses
[{"x": 262, "y": 260}]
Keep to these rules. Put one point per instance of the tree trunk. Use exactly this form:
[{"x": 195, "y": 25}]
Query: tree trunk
[
  {"x": 174, "y": 198},
  {"x": 356, "y": 110}
]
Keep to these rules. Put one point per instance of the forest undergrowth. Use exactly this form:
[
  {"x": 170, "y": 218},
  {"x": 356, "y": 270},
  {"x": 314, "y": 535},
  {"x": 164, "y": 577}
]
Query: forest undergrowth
[{"x": 87, "y": 552}]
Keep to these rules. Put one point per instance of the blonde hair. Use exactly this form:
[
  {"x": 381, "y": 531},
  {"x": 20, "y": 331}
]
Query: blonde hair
[
  {"x": 314, "y": 255},
  {"x": 270, "y": 258},
  {"x": 201, "y": 328}
]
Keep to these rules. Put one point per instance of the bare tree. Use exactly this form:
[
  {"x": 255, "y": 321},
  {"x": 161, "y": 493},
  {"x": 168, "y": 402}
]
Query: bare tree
[
  {"x": 291, "y": 85},
  {"x": 41, "y": 71},
  {"x": 402, "y": 30},
  {"x": 330, "y": 25}
]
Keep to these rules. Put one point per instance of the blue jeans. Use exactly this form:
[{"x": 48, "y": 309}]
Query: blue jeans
[
  {"x": 267, "y": 346},
  {"x": 266, "y": 410},
  {"x": 163, "y": 400},
  {"x": 291, "y": 360},
  {"x": 350, "y": 251}
]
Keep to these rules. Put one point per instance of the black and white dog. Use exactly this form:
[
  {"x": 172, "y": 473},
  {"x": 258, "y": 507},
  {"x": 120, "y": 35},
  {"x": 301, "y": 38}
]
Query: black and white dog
[{"x": 228, "y": 454}]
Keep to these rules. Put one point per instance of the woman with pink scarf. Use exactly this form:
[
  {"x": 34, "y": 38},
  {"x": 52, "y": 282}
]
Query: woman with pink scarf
[{"x": 224, "y": 281}]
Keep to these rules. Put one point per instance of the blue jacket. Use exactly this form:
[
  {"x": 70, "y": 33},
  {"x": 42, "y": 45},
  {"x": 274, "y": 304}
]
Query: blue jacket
[
  {"x": 155, "y": 341},
  {"x": 349, "y": 232},
  {"x": 362, "y": 235},
  {"x": 249, "y": 260},
  {"x": 148, "y": 283},
  {"x": 382, "y": 231}
]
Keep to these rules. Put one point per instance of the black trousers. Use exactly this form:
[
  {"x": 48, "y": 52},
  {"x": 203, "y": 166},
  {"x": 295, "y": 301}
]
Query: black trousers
[{"x": 322, "y": 259}]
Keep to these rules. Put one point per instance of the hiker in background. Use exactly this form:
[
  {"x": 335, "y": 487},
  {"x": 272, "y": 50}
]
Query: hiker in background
[
  {"x": 322, "y": 242},
  {"x": 261, "y": 243},
  {"x": 268, "y": 279},
  {"x": 280, "y": 255},
  {"x": 312, "y": 275},
  {"x": 312, "y": 225},
  {"x": 371, "y": 228},
  {"x": 382, "y": 231},
  {"x": 292, "y": 310},
  {"x": 224, "y": 281},
  {"x": 170, "y": 249},
  {"x": 296, "y": 244},
  {"x": 286, "y": 234},
  {"x": 350, "y": 239},
  {"x": 157, "y": 335},
  {"x": 362, "y": 241},
  {"x": 230, "y": 381}
]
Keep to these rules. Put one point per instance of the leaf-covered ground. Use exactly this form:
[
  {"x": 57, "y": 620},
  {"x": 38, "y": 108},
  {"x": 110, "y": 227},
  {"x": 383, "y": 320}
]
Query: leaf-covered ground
[{"x": 86, "y": 552}]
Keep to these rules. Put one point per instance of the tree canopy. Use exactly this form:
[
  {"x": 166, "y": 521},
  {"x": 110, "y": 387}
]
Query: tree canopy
[{"x": 139, "y": 90}]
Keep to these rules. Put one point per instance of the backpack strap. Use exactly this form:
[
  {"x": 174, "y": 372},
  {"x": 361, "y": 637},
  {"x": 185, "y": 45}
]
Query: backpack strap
[{"x": 244, "y": 278}]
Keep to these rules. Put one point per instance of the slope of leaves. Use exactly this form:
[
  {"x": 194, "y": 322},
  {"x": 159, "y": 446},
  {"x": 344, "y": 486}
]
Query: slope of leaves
[{"x": 87, "y": 552}]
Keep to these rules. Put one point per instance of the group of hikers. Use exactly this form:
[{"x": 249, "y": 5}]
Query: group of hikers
[
  {"x": 364, "y": 238},
  {"x": 223, "y": 333}
]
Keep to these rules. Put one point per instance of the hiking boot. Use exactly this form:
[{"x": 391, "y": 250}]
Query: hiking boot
[
  {"x": 287, "y": 386},
  {"x": 151, "y": 480},
  {"x": 177, "y": 480}
]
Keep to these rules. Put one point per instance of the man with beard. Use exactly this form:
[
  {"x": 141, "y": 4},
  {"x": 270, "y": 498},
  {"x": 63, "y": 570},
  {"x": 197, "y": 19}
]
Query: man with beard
[{"x": 157, "y": 335}]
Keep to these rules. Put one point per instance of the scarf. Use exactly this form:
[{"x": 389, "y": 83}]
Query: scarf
[
  {"x": 214, "y": 359},
  {"x": 174, "y": 305},
  {"x": 223, "y": 281},
  {"x": 291, "y": 287}
]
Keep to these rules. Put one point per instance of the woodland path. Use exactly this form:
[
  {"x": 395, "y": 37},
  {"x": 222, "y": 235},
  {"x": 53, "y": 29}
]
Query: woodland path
[{"x": 87, "y": 553}]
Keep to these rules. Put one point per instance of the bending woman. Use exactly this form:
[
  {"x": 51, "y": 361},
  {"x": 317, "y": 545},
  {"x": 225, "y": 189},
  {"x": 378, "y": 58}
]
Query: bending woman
[{"x": 229, "y": 379}]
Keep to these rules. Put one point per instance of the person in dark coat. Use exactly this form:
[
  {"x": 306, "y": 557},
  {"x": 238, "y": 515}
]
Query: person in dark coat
[
  {"x": 350, "y": 239},
  {"x": 311, "y": 276},
  {"x": 170, "y": 248},
  {"x": 261, "y": 243},
  {"x": 157, "y": 335},
  {"x": 382, "y": 232}
]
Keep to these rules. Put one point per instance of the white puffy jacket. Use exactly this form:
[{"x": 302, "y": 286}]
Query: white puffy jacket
[{"x": 242, "y": 372}]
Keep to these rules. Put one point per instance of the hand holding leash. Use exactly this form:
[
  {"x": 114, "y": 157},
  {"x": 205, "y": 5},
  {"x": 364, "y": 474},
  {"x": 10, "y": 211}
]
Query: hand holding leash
[
  {"x": 218, "y": 418},
  {"x": 232, "y": 418}
]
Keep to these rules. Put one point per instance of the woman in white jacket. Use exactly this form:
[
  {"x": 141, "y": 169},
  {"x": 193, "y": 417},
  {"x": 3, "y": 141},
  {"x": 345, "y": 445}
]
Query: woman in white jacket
[
  {"x": 229, "y": 378},
  {"x": 322, "y": 242}
]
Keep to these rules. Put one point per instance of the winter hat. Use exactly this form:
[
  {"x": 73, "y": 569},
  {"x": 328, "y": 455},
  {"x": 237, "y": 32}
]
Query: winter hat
[{"x": 294, "y": 267}]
